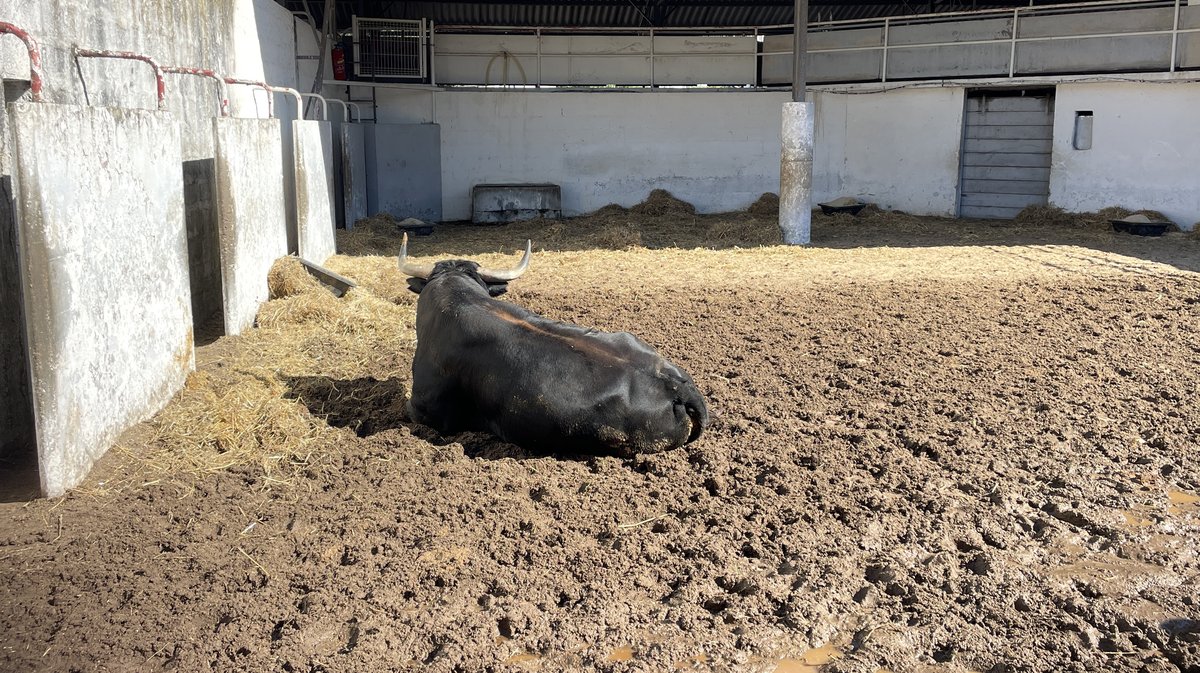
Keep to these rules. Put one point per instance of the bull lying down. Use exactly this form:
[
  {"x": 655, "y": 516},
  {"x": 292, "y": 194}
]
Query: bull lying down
[{"x": 486, "y": 365}]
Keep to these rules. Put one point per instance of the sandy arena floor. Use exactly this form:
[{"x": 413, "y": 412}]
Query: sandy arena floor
[{"x": 936, "y": 446}]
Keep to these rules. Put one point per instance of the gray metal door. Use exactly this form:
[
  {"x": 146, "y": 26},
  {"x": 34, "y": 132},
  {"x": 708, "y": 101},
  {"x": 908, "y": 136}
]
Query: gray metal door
[{"x": 1006, "y": 154}]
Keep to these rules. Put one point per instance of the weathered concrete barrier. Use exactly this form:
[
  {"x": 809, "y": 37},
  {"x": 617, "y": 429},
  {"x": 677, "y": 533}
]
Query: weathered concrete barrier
[
  {"x": 501, "y": 204},
  {"x": 99, "y": 202},
  {"x": 251, "y": 215},
  {"x": 314, "y": 189}
]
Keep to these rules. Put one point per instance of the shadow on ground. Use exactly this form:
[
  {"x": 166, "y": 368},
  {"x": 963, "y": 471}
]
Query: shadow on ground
[
  {"x": 369, "y": 406},
  {"x": 365, "y": 405}
]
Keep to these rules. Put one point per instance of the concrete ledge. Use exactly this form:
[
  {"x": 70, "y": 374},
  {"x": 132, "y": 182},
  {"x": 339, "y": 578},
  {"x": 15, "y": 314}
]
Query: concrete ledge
[
  {"x": 500, "y": 204},
  {"x": 99, "y": 196}
]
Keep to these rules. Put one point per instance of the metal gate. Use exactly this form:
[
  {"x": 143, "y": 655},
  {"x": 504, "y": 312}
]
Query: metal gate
[{"x": 1006, "y": 153}]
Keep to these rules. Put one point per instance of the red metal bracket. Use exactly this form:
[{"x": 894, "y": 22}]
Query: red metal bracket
[
  {"x": 222, "y": 91},
  {"x": 129, "y": 55},
  {"x": 35, "y": 58}
]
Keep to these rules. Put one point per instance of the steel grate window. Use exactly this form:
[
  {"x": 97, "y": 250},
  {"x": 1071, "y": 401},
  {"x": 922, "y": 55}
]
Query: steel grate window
[{"x": 389, "y": 48}]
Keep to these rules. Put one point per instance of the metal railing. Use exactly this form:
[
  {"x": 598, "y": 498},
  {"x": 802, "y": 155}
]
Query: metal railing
[
  {"x": 1015, "y": 17},
  {"x": 35, "y": 57},
  {"x": 1009, "y": 36}
]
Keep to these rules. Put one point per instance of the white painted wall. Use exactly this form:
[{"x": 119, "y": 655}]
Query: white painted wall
[
  {"x": 132, "y": 202},
  {"x": 1145, "y": 149},
  {"x": 718, "y": 150},
  {"x": 898, "y": 149},
  {"x": 98, "y": 231},
  {"x": 241, "y": 38}
]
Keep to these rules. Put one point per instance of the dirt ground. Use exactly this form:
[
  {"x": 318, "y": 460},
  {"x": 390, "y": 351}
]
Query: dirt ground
[{"x": 936, "y": 446}]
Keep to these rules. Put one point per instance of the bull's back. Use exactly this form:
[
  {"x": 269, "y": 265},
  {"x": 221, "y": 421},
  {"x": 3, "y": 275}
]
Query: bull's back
[{"x": 549, "y": 385}]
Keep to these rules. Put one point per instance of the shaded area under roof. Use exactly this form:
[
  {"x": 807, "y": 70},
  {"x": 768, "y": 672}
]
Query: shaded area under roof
[{"x": 638, "y": 13}]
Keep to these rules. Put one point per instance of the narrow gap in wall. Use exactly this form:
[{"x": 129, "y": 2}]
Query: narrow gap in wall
[
  {"x": 18, "y": 437},
  {"x": 204, "y": 250}
]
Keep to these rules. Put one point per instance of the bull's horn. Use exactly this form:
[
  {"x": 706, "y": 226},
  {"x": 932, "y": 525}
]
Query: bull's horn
[
  {"x": 508, "y": 274},
  {"x": 410, "y": 269}
]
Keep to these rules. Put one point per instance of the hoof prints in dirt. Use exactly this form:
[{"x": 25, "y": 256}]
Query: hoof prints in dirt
[{"x": 915, "y": 475}]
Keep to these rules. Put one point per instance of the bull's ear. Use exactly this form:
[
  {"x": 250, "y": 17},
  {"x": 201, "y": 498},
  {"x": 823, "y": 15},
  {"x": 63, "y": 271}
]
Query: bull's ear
[
  {"x": 416, "y": 284},
  {"x": 497, "y": 289}
]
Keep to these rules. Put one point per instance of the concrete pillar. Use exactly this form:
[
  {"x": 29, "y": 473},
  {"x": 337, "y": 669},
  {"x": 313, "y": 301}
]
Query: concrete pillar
[{"x": 795, "y": 173}]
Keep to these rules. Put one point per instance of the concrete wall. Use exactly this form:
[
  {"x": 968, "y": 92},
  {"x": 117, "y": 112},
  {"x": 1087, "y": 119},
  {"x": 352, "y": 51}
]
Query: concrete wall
[
  {"x": 718, "y": 150},
  {"x": 898, "y": 149},
  {"x": 253, "y": 39},
  {"x": 251, "y": 219},
  {"x": 314, "y": 190},
  {"x": 104, "y": 258},
  {"x": 1144, "y": 153}
]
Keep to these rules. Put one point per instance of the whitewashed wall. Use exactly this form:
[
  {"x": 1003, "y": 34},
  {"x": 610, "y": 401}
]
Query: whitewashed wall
[
  {"x": 899, "y": 149},
  {"x": 718, "y": 150},
  {"x": 243, "y": 38},
  {"x": 1145, "y": 149}
]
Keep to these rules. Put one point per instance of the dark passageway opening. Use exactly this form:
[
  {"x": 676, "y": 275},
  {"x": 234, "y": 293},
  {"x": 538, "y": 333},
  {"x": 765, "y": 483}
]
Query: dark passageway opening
[
  {"x": 18, "y": 438},
  {"x": 204, "y": 250}
]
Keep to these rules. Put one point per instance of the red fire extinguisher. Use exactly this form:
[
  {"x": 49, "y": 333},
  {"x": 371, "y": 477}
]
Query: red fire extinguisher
[{"x": 339, "y": 61}]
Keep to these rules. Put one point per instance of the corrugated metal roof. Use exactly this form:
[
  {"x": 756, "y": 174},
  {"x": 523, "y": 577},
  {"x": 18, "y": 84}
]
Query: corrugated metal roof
[{"x": 641, "y": 13}]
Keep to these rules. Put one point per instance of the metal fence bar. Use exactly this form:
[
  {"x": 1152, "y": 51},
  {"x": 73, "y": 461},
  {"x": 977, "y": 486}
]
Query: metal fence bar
[
  {"x": 261, "y": 85},
  {"x": 883, "y": 67},
  {"x": 651, "y": 58},
  {"x": 1174, "y": 35},
  {"x": 345, "y": 109},
  {"x": 131, "y": 56},
  {"x": 291, "y": 92},
  {"x": 1014, "y": 39},
  {"x": 222, "y": 91},
  {"x": 35, "y": 58},
  {"x": 1012, "y": 50},
  {"x": 324, "y": 105}
]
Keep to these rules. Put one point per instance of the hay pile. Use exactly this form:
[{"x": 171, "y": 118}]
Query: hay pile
[
  {"x": 1043, "y": 216},
  {"x": 267, "y": 403},
  {"x": 660, "y": 202},
  {"x": 767, "y": 205},
  {"x": 372, "y": 235}
]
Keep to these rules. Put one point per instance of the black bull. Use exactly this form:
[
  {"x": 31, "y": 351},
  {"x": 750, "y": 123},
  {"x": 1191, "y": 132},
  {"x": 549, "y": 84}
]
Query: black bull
[{"x": 486, "y": 365}]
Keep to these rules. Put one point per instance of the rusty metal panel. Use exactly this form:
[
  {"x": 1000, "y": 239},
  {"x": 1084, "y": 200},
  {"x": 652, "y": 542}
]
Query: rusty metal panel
[{"x": 99, "y": 200}]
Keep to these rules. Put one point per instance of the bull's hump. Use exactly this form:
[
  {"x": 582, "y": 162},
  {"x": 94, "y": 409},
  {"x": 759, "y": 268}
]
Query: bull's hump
[{"x": 589, "y": 342}]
